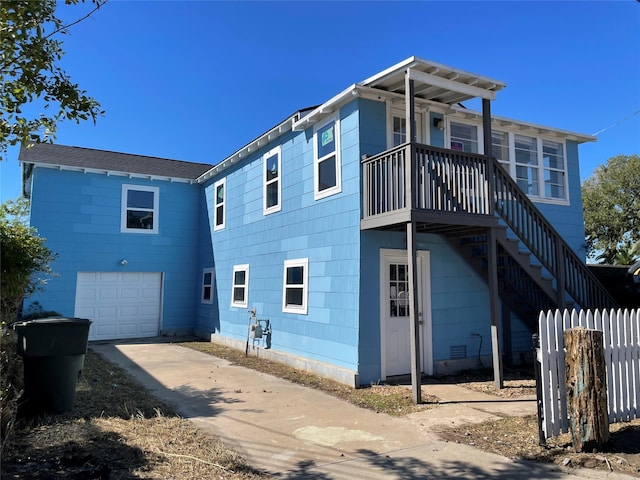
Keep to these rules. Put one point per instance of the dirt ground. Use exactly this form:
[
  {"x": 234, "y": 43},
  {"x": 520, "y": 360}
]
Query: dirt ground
[
  {"x": 118, "y": 430},
  {"x": 517, "y": 437}
]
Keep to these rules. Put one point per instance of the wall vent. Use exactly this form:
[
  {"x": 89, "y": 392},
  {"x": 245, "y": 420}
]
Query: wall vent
[{"x": 458, "y": 351}]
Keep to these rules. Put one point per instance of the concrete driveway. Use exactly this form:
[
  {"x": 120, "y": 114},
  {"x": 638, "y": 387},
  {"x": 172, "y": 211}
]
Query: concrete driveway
[{"x": 294, "y": 432}]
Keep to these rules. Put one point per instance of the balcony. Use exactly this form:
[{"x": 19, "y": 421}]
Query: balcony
[{"x": 445, "y": 190}]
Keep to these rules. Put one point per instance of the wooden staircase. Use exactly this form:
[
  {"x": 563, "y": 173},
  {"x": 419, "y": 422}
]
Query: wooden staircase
[{"x": 537, "y": 270}]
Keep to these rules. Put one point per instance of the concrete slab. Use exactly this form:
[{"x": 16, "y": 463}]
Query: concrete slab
[{"x": 294, "y": 432}]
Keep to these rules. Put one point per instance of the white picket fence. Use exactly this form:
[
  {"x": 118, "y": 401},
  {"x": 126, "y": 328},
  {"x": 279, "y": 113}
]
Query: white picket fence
[{"x": 621, "y": 331}]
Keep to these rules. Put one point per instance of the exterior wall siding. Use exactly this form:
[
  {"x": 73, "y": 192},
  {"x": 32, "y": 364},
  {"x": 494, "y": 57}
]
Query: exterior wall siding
[
  {"x": 459, "y": 303},
  {"x": 79, "y": 215},
  {"x": 325, "y": 231},
  {"x": 207, "y": 319},
  {"x": 568, "y": 220}
]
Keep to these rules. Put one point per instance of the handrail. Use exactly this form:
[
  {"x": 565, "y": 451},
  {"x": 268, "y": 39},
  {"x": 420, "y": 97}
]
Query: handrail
[
  {"x": 460, "y": 182},
  {"x": 546, "y": 244}
]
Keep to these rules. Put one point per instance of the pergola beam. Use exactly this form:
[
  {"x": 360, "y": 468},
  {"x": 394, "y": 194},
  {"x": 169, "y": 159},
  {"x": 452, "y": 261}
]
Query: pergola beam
[{"x": 451, "y": 85}]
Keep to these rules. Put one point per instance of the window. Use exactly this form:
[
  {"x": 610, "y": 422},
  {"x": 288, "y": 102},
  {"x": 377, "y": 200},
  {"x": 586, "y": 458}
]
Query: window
[
  {"x": 399, "y": 131},
  {"x": 397, "y": 127},
  {"x": 207, "y": 285},
  {"x": 219, "y": 203},
  {"x": 464, "y": 137},
  {"x": 500, "y": 147},
  {"x": 553, "y": 164},
  {"x": 294, "y": 296},
  {"x": 139, "y": 212},
  {"x": 326, "y": 147},
  {"x": 239, "y": 289},
  {"x": 526, "y": 155},
  {"x": 272, "y": 183}
]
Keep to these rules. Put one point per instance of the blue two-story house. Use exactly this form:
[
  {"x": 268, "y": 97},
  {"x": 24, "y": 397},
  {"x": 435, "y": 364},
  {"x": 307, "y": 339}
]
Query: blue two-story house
[{"x": 389, "y": 230}]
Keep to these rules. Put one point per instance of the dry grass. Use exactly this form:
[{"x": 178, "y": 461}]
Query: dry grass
[
  {"x": 117, "y": 430},
  {"x": 394, "y": 400},
  {"x": 517, "y": 437}
]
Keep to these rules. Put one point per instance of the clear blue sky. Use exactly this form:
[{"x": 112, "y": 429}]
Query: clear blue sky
[{"x": 197, "y": 80}]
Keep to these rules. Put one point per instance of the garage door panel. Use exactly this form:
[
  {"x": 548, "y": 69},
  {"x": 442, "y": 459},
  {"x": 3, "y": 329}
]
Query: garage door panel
[
  {"x": 147, "y": 330},
  {"x": 120, "y": 304},
  {"x": 104, "y": 332},
  {"x": 106, "y": 293},
  {"x": 107, "y": 277},
  {"x": 150, "y": 293}
]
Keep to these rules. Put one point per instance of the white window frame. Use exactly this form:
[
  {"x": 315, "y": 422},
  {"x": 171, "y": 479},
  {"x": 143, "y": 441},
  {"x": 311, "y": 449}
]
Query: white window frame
[
  {"x": 266, "y": 182},
  {"x": 393, "y": 113},
  {"x": 511, "y": 165},
  {"x": 126, "y": 188},
  {"x": 300, "y": 309},
  {"x": 541, "y": 197},
  {"x": 240, "y": 268},
  {"x": 544, "y": 169},
  {"x": 223, "y": 204},
  {"x": 479, "y": 134},
  {"x": 318, "y": 194},
  {"x": 204, "y": 285}
]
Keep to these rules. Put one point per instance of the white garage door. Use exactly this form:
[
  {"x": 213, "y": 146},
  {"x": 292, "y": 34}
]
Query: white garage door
[{"x": 120, "y": 305}]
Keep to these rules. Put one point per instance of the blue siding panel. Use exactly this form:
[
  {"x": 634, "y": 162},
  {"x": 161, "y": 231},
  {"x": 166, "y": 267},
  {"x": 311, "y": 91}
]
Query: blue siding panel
[
  {"x": 79, "y": 215},
  {"x": 323, "y": 231}
]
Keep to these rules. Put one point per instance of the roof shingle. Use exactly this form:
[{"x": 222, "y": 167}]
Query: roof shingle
[{"x": 79, "y": 157}]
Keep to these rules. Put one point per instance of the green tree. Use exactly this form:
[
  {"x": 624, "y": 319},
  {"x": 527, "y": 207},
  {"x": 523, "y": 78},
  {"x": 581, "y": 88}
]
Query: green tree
[
  {"x": 611, "y": 202},
  {"x": 24, "y": 258},
  {"x": 30, "y": 77}
]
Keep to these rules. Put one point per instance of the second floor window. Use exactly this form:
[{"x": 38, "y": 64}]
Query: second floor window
[
  {"x": 219, "y": 203},
  {"x": 326, "y": 147},
  {"x": 272, "y": 182},
  {"x": 526, "y": 156},
  {"x": 139, "y": 212},
  {"x": 463, "y": 137},
  {"x": 537, "y": 165}
]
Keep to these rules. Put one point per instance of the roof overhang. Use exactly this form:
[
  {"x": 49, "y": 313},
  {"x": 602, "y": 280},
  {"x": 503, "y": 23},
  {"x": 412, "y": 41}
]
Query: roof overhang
[
  {"x": 435, "y": 82},
  {"x": 100, "y": 171}
]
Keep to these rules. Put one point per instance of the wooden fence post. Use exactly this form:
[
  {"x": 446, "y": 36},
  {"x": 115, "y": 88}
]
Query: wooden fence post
[{"x": 586, "y": 388}]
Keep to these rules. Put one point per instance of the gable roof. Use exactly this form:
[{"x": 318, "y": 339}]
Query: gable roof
[{"x": 103, "y": 161}]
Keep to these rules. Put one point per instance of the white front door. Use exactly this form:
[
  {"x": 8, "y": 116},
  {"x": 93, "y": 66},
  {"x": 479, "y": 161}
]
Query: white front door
[{"x": 395, "y": 322}]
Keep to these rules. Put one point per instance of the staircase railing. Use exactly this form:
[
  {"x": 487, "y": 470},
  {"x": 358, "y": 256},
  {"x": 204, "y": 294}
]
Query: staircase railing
[{"x": 546, "y": 244}]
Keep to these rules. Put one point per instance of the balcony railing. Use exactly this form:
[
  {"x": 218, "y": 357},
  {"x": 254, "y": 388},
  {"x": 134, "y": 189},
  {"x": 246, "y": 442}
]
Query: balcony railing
[
  {"x": 449, "y": 181},
  {"x": 442, "y": 180}
]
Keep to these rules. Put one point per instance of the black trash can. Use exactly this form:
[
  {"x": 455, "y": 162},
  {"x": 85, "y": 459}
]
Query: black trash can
[{"x": 53, "y": 351}]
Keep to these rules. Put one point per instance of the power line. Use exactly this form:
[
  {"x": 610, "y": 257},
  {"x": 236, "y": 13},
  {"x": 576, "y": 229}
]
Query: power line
[{"x": 617, "y": 123}]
